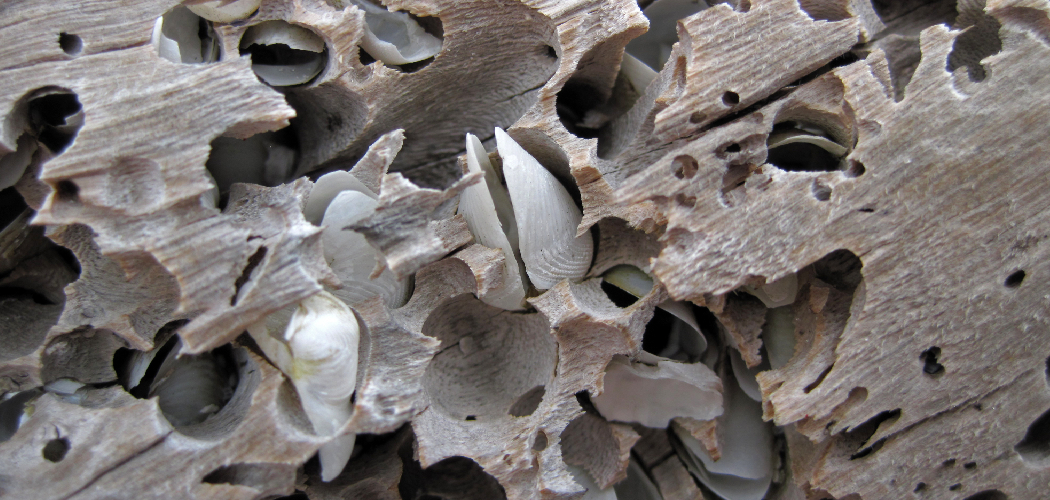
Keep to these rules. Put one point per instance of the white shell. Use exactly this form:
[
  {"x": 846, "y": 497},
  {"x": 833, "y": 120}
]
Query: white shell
[
  {"x": 778, "y": 335},
  {"x": 325, "y": 190},
  {"x": 778, "y": 293},
  {"x": 297, "y": 72},
  {"x": 350, "y": 256},
  {"x": 323, "y": 337},
  {"x": 745, "y": 468},
  {"x": 653, "y": 395},
  {"x": 394, "y": 37},
  {"x": 547, "y": 219},
  {"x": 490, "y": 217}
]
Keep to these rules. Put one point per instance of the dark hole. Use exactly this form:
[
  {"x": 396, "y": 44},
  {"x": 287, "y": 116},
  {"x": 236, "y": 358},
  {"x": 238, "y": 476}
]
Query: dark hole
[
  {"x": 866, "y": 210},
  {"x": 954, "y": 487},
  {"x": 541, "y": 442},
  {"x": 11, "y": 206},
  {"x": 47, "y": 117},
  {"x": 929, "y": 359},
  {"x": 71, "y": 44},
  {"x": 55, "y": 449},
  {"x": 813, "y": 385},
  {"x": 733, "y": 148},
  {"x": 365, "y": 57},
  {"x": 840, "y": 269},
  {"x": 242, "y": 474},
  {"x": 617, "y": 295},
  {"x": 584, "y": 399},
  {"x": 414, "y": 66},
  {"x": 979, "y": 41},
  {"x": 470, "y": 418},
  {"x": 685, "y": 167},
  {"x": 920, "y": 487},
  {"x": 856, "y": 169},
  {"x": 802, "y": 157},
  {"x": 821, "y": 191},
  {"x": 658, "y": 332},
  {"x": 988, "y": 495},
  {"x": 1014, "y": 279},
  {"x": 970, "y": 465},
  {"x": 123, "y": 355},
  {"x": 978, "y": 407},
  {"x": 1035, "y": 447},
  {"x": 527, "y": 403},
  {"x": 863, "y": 432},
  {"x": 19, "y": 293},
  {"x": 253, "y": 262},
  {"x": 949, "y": 463},
  {"x": 574, "y": 101},
  {"x": 697, "y": 117},
  {"x": 67, "y": 190},
  {"x": 552, "y": 52},
  {"x": 730, "y": 98},
  {"x": 685, "y": 201}
]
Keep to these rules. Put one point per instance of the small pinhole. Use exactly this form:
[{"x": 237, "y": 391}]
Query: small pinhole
[
  {"x": 685, "y": 167},
  {"x": 856, "y": 169},
  {"x": 470, "y": 418},
  {"x": 1014, "y": 279},
  {"x": 730, "y": 99},
  {"x": 552, "y": 52},
  {"x": 71, "y": 44},
  {"x": 685, "y": 201},
  {"x": 978, "y": 407},
  {"x": 920, "y": 487},
  {"x": 970, "y": 465},
  {"x": 733, "y": 148},
  {"x": 949, "y": 463},
  {"x": 954, "y": 487},
  {"x": 365, "y": 57},
  {"x": 866, "y": 210},
  {"x": 67, "y": 190},
  {"x": 55, "y": 449},
  {"x": 821, "y": 191},
  {"x": 930, "y": 365}
]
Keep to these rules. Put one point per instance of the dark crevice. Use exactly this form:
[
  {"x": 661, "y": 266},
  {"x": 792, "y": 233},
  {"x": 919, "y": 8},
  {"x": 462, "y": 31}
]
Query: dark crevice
[
  {"x": 860, "y": 435},
  {"x": 70, "y": 44},
  {"x": 1035, "y": 447},
  {"x": 617, "y": 295},
  {"x": 988, "y": 495},
  {"x": 1014, "y": 279},
  {"x": 55, "y": 118},
  {"x": 527, "y": 403},
  {"x": 55, "y": 450},
  {"x": 253, "y": 262},
  {"x": 930, "y": 365},
  {"x": 820, "y": 378}
]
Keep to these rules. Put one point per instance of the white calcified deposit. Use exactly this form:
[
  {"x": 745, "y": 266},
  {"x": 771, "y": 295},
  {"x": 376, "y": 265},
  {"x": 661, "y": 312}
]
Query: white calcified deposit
[{"x": 525, "y": 249}]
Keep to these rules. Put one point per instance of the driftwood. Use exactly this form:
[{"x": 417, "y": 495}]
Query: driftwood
[{"x": 818, "y": 229}]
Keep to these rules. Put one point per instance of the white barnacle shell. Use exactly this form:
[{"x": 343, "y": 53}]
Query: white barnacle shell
[
  {"x": 176, "y": 35},
  {"x": 225, "y": 11},
  {"x": 14, "y": 164},
  {"x": 490, "y": 217},
  {"x": 322, "y": 339},
  {"x": 796, "y": 136},
  {"x": 745, "y": 468},
  {"x": 394, "y": 37},
  {"x": 546, "y": 216},
  {"x": 778, "y": 335},
  {"x": 337, "y": 201},
  {"x": 651, "y": 391}
]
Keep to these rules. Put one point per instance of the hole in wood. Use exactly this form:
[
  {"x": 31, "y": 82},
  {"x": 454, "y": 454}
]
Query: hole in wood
[
  {"x": 617, "y": 295},
  {"x": 1035, "y": 447},
  {"x": 730, "y": 99},
  {"x": 55, "y": 117},
  {"x": 930, "y": 366},
  {"x": 284, "y": 54},
  {"x": 1014, "y": 280},
  {"x": 821, "y": 191},
  {"x": 863, "y": 432},
  {"x": 527, "y": 403},
  {"x": 55, "y": 450},
  {"x": 988, "y": 495},
  {"x": 70, "y": 44},
  {"x": 685, "y": 167},
  {"x": 820, "y": 378},
  {"x": 253, "y": 261},
  {"x": 540, "y": 443}
]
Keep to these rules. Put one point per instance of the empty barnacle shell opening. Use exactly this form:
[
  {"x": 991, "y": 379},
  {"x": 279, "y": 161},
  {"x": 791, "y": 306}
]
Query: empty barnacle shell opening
[
  {"x": 284, "y": 54},
  {"x": 181, "y": 36},
  {"x": 395, "y": 38}
]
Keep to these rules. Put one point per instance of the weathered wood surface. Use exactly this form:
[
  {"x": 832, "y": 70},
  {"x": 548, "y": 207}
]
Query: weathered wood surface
[{"x": 917, "y": 340}]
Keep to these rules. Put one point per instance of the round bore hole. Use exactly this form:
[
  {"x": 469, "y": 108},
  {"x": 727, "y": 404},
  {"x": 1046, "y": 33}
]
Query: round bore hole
[
  {"x": 685, "y": 167},
  {"x": 821, "y": 191},
  {"x": 856, "y": 169},
  {"x": 1014, "y": 279},
  {"x": 733, "y": 148},
  {"x": 67, "y": 190},
  {"x": 697, "y": 117},
  {"x": 71, "y": 44},
  {"x": 55, "y": 449},
  {"x": 730, "y": 98}
]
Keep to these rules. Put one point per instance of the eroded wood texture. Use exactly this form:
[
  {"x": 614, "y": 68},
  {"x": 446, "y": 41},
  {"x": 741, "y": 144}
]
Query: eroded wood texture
[{"x": 906, "y": 357}]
